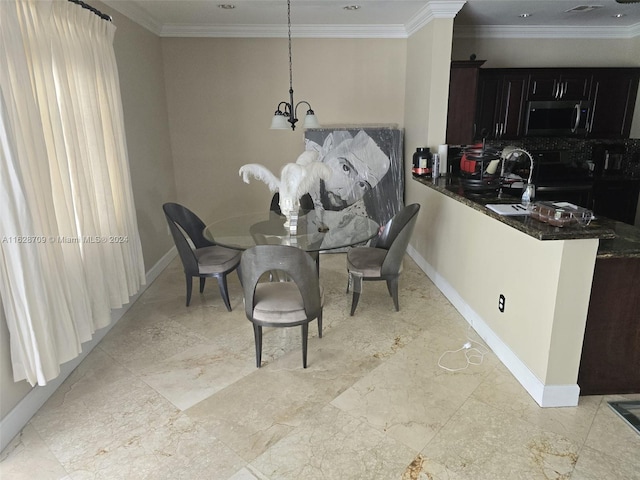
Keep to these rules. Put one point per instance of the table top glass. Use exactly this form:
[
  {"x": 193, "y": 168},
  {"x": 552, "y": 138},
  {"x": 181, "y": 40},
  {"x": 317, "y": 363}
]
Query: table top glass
[{"x": 244, "y": 231}]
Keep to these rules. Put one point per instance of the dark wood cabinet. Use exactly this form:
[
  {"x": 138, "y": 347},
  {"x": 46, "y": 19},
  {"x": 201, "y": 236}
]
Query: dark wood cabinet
[
  {"x": 613, "y": 98},
  {"x": 560, "y": 84},
  {"x": 488, "y": 96},
  {"x": 463, "y": 86},
  {"x": 611, "y": 345},
  {"x": 501, "y": 101},
  {"x": 616, "y": 199},
  {"x": 503, "y": 93}
]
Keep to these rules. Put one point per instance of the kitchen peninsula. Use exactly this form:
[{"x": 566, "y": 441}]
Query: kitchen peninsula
[{"x": 544, "y": 273}]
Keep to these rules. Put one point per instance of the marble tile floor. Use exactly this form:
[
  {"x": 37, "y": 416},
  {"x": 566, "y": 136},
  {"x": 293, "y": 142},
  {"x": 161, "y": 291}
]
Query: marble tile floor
[{"x": 173, "y": 393}]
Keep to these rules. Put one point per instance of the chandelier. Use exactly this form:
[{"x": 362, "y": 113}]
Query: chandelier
[{"x": 286, "y": 112}]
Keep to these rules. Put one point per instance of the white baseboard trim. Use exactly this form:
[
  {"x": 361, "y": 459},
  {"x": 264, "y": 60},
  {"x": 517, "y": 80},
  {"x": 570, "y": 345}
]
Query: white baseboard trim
[
  {"x": 13, "y": 423},
  {"x": 544, "y": 395}
]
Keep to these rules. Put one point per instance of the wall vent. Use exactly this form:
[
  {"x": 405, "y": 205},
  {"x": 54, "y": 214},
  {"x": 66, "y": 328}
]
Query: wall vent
[{"x": 583, "y": 8}]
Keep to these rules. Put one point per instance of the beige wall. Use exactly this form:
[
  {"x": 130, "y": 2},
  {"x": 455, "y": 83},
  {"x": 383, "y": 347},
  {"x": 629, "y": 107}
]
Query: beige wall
[
  {"x": 548, "y": 52},
  {"x": 139, "y": 60},
  {"x": 222, "y": 93},
  {"x": 140, "y": 67},
  {"x": 428, "y": 61}
]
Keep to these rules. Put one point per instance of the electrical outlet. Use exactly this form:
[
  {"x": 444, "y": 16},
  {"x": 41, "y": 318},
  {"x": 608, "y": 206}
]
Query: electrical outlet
[{"x": 501, "y": 302}]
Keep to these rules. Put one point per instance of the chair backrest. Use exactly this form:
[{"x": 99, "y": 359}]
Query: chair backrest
[
  {"x": 298, "y": 266},
  {"x": 189, "y": 223},
  {"x": 306, "y": 203},
  {"x": 395, "y": 238},
  {"x": 394, "y": 226}
]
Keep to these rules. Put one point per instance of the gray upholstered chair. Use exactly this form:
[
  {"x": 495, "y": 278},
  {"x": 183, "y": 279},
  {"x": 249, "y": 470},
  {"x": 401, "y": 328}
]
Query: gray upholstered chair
[
  {"x": 205, "y": 258},
  {"x": 306, "y": 203},
  {"x": 382, "y": 260},
  {"x": 280, "y": 304}
]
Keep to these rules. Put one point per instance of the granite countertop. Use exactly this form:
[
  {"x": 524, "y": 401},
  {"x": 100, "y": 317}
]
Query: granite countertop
[{"x": 617, "y": 239}]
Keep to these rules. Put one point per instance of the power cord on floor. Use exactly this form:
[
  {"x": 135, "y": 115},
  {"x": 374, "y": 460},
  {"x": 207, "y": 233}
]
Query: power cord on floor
[{"x": 473, "y": 355}]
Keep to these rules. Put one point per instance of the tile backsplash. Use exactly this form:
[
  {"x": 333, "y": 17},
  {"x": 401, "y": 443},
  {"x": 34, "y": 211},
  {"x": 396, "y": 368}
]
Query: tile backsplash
[{"x": 582, "y": 150}]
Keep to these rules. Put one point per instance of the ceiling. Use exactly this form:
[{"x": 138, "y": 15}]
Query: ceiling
[{"x": 390, "y": 18}]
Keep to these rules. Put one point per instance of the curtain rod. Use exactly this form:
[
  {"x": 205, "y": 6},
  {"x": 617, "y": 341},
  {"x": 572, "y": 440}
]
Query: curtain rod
[{"x": 104, "y": 16}]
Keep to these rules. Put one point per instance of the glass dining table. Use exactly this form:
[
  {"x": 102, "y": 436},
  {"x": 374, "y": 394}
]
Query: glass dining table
[{"x": 312, "y": 233}]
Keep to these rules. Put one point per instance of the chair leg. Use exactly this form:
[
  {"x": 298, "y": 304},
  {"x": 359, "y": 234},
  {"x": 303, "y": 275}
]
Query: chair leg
[
  {"x": 392, "y": 286},
  {"x": 257, "y": 333},
  {"x": 202, "y": 280},
  {"x": 355, "y": 279},
  {"x": 320, "y": 324},
  {"x": 354, "y": 302},
  {"x": 224, "y": 290},
  {"x": 305, "y": 334},
  {"x": 189, "y": 288}
]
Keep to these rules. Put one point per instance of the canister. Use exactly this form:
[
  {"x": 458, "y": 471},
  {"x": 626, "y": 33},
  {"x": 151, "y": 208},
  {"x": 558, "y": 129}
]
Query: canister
[{"x": 422, "y": 161}]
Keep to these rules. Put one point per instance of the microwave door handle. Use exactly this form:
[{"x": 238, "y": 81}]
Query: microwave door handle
[{"x": 576, "y": 122}]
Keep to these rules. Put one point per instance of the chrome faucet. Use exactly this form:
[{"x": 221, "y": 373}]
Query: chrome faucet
[{"x": 513, "y": 154}]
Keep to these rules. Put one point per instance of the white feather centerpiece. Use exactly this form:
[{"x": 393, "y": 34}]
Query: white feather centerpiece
[{"x": 296, "y": 179}]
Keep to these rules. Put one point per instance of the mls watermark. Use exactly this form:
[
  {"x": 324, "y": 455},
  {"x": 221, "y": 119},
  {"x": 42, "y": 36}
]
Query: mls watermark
[{"x": 20, "y": 239}]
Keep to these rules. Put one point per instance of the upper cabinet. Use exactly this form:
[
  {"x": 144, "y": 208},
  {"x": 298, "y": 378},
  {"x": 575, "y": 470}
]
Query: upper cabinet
[
  {"x": 501, "y": 100},
  {"x": 613, "y": 98},
  {"x": 573, "y": 84},
  {"x": 463, "y": 85},
  {"x": 578, "y": 102}
]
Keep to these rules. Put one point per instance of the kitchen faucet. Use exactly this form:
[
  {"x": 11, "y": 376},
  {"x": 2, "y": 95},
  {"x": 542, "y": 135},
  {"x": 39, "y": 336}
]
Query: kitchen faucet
[{"x": 512, "y": 154}]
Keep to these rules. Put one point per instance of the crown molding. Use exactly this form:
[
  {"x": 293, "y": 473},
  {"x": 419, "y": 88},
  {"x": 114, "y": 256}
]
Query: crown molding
[
  {"x": 433, "y": 10},
  {"x": 491, "y": 31},
  {"x": 136, "y": 14},
  {"x": 280, "y": 31}
]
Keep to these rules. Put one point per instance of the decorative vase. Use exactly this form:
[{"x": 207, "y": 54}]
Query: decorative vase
[{"x": 289, "y": 208}]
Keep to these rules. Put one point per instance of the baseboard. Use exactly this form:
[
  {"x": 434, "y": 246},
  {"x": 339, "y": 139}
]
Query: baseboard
[
  {"x": 20, "y": 415},
  {"x": 544, "y": 395}
]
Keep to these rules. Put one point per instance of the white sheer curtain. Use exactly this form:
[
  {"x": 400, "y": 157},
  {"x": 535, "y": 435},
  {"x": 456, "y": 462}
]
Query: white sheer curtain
[{"x": 69, "y": 244}]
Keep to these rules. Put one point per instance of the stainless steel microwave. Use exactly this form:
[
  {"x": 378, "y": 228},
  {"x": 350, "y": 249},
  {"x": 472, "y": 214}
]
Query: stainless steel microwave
[{"x": 557, "y": 118}]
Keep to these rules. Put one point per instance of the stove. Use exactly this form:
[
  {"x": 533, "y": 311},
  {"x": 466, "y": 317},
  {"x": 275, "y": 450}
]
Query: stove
[
  {"x": 556, "y": 177},
  {"x": 554, "y": 167}
]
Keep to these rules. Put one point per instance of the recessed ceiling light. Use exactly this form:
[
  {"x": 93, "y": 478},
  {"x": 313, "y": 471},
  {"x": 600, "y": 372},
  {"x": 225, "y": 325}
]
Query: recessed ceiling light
[
  {"x": 226, "y": 6},
  {"x": 524, "y": 15},
  {"x": 352, "y": 7}
]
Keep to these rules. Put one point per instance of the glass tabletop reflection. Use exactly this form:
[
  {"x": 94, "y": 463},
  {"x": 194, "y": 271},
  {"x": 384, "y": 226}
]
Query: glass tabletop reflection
[{"x": 315, "y": 232}]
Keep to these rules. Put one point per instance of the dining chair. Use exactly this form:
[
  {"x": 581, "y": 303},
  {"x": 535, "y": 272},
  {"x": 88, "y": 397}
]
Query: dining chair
[
  {"x": 202, "y": 258},
  {"x": 281, "y": 304},
  {"x": 306, "y": 203},
  {"x": 382, "y": 259}
]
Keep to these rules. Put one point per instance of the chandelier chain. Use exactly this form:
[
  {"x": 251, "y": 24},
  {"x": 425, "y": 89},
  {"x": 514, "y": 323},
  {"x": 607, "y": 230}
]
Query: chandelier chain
[
  {"x": 290, "y": 57},
  {"x": 286, "y": 110}
]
